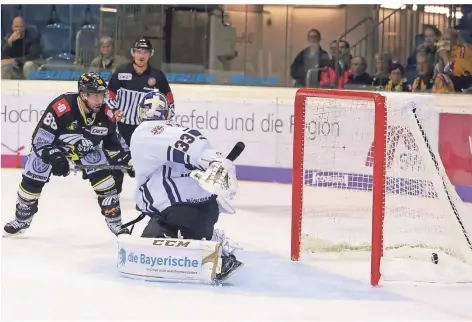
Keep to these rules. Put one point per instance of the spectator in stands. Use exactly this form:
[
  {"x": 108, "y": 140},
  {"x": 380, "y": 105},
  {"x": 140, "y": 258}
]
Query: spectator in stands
[
  {"x": 345, "y": 56},
  {"x": 456, "y": 55},
  {"x": 426, "y": 81},
  {"x": 424, "y": 67},
  {"x": 19, "y": 50},
  {"x": 358, "y": 74},
  {"x": 397, "y": 81},
  {"x": 465, "y": 26},
  {"x": 337, "y": 72},
  {"x": 383, "y": 64},
  {"x": 312, "y": 57},
  {"x": 333, "y": 51},
  {"x": 107, "y": 61},
  {"x": 431, "y": 36},
  {"x": 466, "y": 20}
]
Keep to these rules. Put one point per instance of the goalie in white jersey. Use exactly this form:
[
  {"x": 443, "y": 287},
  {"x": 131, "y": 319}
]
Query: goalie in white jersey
[{"x": 182, "y": 182}]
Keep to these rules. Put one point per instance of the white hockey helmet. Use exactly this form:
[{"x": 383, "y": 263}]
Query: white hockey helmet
[{"x": 154, "y": 106}]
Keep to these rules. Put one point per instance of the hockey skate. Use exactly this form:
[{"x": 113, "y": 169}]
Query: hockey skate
[
  {"x": 16, "y": 227},
  {"x": 228, "y": 267},
  {"x": 23, "y": 216},
  {"x": 115, "y": 228},
  {"x": 229, "y": 263}
]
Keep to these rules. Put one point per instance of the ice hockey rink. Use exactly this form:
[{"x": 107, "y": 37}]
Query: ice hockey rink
[{"x": 64, "y": 268}]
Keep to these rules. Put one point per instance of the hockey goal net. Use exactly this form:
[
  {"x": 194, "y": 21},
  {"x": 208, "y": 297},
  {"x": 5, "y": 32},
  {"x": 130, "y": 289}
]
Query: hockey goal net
[{"x": 368, "y": 184}]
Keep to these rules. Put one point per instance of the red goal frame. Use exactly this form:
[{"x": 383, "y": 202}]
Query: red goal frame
[{"x": 379, "y": 168}]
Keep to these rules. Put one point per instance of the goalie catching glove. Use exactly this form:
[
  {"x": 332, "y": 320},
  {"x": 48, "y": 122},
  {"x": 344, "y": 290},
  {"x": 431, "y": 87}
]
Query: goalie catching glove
[{"x": 219, "y": 177}]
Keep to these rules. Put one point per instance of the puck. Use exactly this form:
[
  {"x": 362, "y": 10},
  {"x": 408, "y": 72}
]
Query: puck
[{"x": 434, "y": 258}]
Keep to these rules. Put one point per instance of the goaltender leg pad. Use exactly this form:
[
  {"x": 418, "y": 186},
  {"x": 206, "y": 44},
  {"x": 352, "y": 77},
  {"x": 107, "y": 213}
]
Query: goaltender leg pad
[{"x": 169, "y": 259}]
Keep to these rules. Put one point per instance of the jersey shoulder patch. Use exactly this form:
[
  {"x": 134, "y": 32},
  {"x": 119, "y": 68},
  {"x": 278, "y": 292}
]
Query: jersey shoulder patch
[
  {"x": 109, "y": 113},
  {"x": 158, "y": 129},
  {"x": 61, "y": 107}
]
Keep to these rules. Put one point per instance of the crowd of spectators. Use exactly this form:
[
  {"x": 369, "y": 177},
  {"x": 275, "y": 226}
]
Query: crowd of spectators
[
  {"x": 442, "y": 63},
  {"x": 54, "y": 37}
]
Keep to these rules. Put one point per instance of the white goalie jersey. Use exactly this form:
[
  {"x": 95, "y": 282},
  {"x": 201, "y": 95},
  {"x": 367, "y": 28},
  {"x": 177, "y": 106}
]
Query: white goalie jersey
[{"x": 163, "y": 155}]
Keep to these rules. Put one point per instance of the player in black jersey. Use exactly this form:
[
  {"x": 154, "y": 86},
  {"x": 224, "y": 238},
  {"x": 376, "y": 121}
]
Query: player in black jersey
[{"x": 73, "y": 127}]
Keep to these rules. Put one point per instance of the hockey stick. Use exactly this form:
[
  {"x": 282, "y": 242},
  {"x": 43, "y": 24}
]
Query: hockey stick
[
  {"x": 78, "y": 167},
  {"x": 232, "y": 155},
  {"x": 436, "y": 165},
  {"x": 236, "y": 151},
  {"x": 132, "y": 222}
]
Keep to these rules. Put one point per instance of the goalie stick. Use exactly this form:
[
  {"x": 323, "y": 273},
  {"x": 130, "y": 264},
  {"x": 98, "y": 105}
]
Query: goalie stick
[
  {"x": 232, "y": 155},
  {"x": 436, "y": 165}
]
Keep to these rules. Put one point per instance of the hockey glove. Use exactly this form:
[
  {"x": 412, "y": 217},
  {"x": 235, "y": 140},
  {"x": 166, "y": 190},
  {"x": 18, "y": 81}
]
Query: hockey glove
[
  {"x": 218, "y": 179},
  {"x": 58, "y": 161}
]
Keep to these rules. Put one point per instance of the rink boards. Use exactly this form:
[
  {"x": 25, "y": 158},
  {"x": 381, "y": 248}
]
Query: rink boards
[{"x": 263, "y": 119}]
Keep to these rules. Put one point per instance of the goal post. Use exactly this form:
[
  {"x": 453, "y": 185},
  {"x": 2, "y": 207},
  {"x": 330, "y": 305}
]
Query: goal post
[{"x": 368, "y": 184}]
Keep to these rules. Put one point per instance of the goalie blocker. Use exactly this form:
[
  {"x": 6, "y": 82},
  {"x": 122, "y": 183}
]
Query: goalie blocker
[{"x": 169, "y": 259}]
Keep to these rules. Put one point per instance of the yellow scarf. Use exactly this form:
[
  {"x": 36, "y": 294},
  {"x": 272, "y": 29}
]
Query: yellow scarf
[{"x": 397, "y": 88}]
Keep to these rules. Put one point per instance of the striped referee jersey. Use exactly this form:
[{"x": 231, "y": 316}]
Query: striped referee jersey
[{"x": 126, "y": 88}]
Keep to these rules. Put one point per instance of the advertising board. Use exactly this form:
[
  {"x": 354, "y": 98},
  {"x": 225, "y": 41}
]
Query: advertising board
[{"x": 263, "y": 119}]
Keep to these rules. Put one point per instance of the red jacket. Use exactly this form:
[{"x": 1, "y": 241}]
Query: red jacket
[{"x": 329, "y": 77}]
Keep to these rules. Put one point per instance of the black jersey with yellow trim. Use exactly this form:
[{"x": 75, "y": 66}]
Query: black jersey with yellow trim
[{"x": 65, "y": 122}]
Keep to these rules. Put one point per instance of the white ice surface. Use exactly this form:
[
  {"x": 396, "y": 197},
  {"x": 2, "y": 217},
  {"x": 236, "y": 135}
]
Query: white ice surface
[{"x": 64, "y": 268}]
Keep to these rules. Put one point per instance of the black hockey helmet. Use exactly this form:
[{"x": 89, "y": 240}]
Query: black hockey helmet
[
  {"x": 142, "y": 43},
  {"x": 92, "y": 83}
]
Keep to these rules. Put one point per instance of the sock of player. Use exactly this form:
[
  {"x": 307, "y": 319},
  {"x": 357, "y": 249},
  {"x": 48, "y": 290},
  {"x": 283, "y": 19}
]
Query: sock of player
[{"x": 111, "y": 209}]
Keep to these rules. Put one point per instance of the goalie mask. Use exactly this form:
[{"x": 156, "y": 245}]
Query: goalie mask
[{"x": 154, "y": 106}]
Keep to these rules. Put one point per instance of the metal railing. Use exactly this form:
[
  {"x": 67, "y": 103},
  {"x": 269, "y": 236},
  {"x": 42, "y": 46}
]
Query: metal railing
[
  {"x": 373, "y": 41},
  {"x": 394, "y": 30}
]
